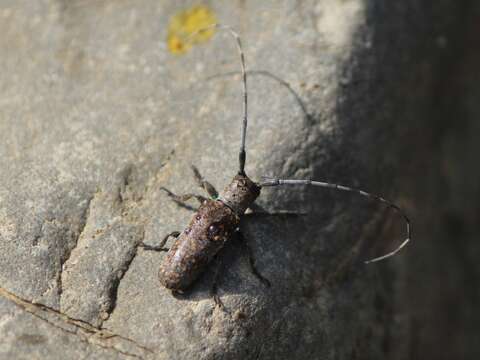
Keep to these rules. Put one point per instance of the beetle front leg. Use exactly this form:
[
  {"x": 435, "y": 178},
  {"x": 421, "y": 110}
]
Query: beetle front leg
[
  {"x": 205, "y": 185},
  {"x": 181, "y": 200}
]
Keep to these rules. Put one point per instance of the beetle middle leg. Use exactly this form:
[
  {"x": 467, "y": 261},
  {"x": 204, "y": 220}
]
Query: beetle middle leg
[
  {"x": 257, "y": 210},
  {"x": 219, "y": 268}
]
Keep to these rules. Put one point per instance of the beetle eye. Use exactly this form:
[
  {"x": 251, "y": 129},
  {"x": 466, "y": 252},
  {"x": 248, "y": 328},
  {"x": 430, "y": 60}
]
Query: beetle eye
[{"x": 214, "y": 230}]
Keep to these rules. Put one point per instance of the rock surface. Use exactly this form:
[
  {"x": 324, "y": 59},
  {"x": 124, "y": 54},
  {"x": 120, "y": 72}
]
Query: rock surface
[{"x": 97, "y": 116}]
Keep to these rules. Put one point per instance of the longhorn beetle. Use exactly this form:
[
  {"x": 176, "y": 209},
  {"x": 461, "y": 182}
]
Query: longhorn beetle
[{"x": 218, "y": 218}]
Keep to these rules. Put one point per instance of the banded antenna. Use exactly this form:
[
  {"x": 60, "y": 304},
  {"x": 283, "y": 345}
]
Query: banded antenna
[
  {"x": 242, "y": 154},
  {"x": 277, "y": 182}
]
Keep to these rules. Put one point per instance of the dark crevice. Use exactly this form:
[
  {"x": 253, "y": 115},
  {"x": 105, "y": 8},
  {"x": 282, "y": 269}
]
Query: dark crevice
[
  {"x": 68, "y": 253},
  {"x": 127, "y": 180},
  {"x": 124, "y": 198},
  {"x": 128, "y": 203},
  {"x": 113, "y": 291}
]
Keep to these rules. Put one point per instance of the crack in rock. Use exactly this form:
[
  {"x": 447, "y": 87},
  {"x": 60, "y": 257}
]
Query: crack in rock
[
  {"x": 68, "y": 253},
  {"x": 82, "y": 330},
  {"x": 107, "y": 246},
  {"x": 94, "y": 248},
  {"x": 116, "y": 282}
]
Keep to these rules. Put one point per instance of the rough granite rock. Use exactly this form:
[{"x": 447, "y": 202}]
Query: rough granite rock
[{"x": 96, "y": 115}]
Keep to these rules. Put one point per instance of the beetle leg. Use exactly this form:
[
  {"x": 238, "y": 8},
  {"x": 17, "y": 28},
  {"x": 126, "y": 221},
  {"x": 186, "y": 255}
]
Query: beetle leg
[
  {"x": 182, "y": 199},
  {"x": 284, "y": 213},
  {"x": 255, "y": 209},
  {"x": 214, "y": 288},
  {"x": 251, "y": 260},
  {"x": 160, "y": 247},
  {"x": 205, "y": 185}
]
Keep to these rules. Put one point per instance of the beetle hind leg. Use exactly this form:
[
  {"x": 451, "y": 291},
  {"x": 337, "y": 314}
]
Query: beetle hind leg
[
  {"x": 252, "y": 261},
  {"x": 216, "y": 280}
]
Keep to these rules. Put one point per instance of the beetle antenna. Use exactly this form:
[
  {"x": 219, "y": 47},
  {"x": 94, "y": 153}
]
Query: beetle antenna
[
  {"x": 242, "y": 154},
  {"x": 277, "y": 182}
]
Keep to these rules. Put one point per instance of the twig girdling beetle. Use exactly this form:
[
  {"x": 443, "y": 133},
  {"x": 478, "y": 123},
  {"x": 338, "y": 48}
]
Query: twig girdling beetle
[{"x": 218, "y": 218}]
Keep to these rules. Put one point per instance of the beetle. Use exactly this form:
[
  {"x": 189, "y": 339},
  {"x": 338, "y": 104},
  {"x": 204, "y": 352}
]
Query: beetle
[{"x": 218, "y": 218}]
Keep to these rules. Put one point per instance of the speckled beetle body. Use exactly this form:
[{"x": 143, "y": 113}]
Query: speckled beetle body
[{"x": 210, "y": 227}]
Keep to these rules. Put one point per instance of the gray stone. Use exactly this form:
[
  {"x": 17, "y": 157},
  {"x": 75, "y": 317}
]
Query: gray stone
[{"x": 97, "y": 115}]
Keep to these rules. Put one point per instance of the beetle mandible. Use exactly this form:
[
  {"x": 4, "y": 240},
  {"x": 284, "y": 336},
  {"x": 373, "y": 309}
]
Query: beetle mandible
[{"x": 218, "y": 218}]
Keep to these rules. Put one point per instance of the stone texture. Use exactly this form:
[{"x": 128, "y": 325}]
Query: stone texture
[{"x": 97, "y": 115}]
